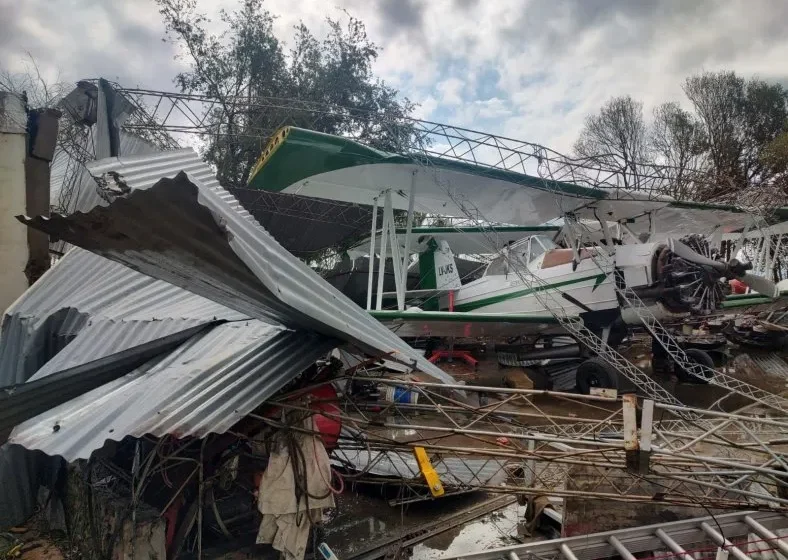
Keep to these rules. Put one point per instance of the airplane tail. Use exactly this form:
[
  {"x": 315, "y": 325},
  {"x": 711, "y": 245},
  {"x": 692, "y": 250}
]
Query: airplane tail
[{"x": 437, "y": 269}]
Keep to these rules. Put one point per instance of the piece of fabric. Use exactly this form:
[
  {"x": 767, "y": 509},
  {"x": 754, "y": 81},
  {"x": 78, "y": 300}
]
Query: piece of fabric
[{"x": 288, "y": 512}]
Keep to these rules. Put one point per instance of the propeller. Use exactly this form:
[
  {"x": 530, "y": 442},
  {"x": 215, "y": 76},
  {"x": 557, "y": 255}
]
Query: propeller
[{"x": 731, "y": 269}]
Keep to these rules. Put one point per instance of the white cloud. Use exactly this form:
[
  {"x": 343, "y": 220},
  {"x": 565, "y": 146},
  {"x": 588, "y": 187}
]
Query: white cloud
[
  {"x": 451, "y": 91},
  {"x": 530, "y": 69}
]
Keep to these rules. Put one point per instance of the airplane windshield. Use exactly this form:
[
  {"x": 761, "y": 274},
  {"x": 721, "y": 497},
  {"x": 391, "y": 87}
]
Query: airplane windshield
[
  {"x": 539, "y": 244},
  {"x": 524, "y": 252}
]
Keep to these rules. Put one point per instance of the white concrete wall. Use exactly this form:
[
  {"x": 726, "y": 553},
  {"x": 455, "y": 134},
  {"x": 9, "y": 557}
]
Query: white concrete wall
[{"x": 13, "y": 235}]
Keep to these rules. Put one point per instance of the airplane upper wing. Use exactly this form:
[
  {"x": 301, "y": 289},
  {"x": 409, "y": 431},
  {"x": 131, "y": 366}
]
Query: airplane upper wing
[{"x": 320, "y": 165}]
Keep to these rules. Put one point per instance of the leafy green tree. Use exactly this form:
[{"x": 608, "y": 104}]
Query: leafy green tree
[
  {"x": 740, "y": 118},
  {"x": 325, "y": 85}
]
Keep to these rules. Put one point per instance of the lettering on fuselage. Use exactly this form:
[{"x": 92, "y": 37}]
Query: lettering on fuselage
[{"x": 446, "y": 269}]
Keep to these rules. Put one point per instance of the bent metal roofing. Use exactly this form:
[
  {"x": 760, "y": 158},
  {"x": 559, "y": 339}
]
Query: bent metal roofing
[{"x": 191, "y": 232}]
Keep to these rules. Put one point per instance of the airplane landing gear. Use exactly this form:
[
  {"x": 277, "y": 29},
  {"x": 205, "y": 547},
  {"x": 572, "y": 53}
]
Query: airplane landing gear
[
  {"x": 595, "y": 372},
  {"x": 662, "y": 363},
  {"x": 696, "y": 356}
]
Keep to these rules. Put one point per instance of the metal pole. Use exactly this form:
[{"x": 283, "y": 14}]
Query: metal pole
[
  {"x": 383, "y": 250},
  {"x": 372, "y": 252},
  {"x": 621, "y": 549},
  {"x": 722, "y": 541},
  {"x": 646, "y": 425},
  {"x": 765, "y": 533},
  {"x": 567, "y": 552},
  {"x": 673, "y": 545},
  {"x": 395, "y": 255},
  {"x": 408, "y": 228}
]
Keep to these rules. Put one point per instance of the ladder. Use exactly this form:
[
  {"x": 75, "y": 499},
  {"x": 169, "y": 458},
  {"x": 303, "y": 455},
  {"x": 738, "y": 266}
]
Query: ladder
[{"x": 676, "y": 536}]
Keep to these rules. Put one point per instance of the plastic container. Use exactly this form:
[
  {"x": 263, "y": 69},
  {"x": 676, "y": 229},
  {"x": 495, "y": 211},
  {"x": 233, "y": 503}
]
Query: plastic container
[{"x": 400, "y": 395}]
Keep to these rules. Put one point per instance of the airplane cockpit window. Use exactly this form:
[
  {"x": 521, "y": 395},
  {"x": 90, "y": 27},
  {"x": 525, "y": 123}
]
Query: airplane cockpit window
[
  {"x": 539, "y": 244},
  {"x": 497, "y": 267},
  {"x": 523, "y": 252}
]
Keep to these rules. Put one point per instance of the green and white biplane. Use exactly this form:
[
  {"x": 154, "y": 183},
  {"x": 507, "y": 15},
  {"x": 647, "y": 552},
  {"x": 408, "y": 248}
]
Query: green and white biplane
[{"x": 566, "y": 249}]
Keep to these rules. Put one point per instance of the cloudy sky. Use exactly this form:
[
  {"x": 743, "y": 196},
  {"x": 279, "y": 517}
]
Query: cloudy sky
[{"x": 529, "y": 69}]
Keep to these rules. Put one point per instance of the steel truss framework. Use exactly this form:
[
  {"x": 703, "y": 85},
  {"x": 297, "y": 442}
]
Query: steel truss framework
[
  {"x": 718, "y": 460},
  {"x": 179, "y": 114}
]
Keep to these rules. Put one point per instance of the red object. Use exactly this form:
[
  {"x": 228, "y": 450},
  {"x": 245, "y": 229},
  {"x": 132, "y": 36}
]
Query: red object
[
  {"x": 325, "y": 399},
  {"x": 171, "y": 519},
  {"x": 502, "y": 440},
  {"x": 464, "y": 355},
  {"x": 738, "y": 287},
  {"x": 451, "y": 300}
]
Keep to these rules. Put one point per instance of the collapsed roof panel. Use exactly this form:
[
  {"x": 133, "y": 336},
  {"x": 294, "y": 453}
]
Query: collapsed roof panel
[
  {"x": 195, "y": 235},
  {"x": 82, "y": 288},
  {"x": 205, "y": 386}
]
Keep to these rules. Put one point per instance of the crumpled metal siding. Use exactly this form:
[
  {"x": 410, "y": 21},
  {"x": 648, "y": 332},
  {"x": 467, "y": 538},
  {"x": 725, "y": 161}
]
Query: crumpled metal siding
[
  {"x": 192, "y": 234},
  {"x": 205, "y": 386},
  {"x": 84, "y": 195},
  {"x": 82, "y": 288},
  {"x": 105, "y": 338}
]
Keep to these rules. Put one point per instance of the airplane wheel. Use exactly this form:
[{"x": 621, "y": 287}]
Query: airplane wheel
[
  {"x": 595, "y": 372},
  {"x": 696, "y": 356}
]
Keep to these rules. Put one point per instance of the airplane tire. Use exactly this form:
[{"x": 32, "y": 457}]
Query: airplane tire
[
  {"x": 595, "y": 372},
  {"x": 696, "y": 356}
]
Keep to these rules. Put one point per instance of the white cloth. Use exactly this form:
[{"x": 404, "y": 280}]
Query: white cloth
[{"x": 286, "y": 519}]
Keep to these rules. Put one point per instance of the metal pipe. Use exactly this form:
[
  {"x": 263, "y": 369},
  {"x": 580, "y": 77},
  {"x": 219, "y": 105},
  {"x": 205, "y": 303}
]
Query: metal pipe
[
  {"x": 765, "y": 533},
  {"x": 395, "y": 256},
  {"x": 756, "y": 495},
  {"x": 476, "y": 388},
  {"x": 383, "y": 250},
  {"x": 731, "y": 415},
  {"x": 673, "y": 545},
  {"x": 567, "y": 552},
  {"x": 620, "y": 548},
  {"x": 723, "y": 542},
  {"x": 558, "y": 352},
  {"x": 408, "y": 229}
]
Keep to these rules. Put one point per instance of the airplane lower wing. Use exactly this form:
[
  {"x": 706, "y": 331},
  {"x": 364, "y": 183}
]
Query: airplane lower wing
[
  {"x": 754, "y": 303},
  {"x": 466, "y": 325}
]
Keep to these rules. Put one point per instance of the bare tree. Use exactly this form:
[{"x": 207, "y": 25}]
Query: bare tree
[
  {"x": 39, "y": 92},
  {"x": 679, "y": 141},
  {"x": 617, "y": 137}
]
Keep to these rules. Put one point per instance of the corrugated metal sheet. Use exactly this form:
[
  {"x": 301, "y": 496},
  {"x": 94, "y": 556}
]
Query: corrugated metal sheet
[
  {"x": 772, "y": 363},
  {"x": 205, "y": 386},
  {"x": 82, "y": 288},
  {"x": 195, "y": 235},
  {"x": 105, "y": 338},
  {"x": 66, "y": 172},
  {"x": 22, "y": 473}
]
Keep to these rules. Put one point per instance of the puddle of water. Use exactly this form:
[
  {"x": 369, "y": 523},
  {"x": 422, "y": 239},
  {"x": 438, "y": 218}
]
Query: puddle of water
[{"x": 491, "y": 531}]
